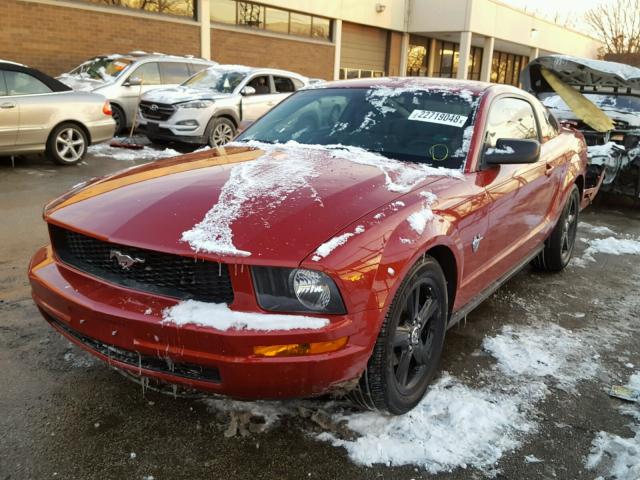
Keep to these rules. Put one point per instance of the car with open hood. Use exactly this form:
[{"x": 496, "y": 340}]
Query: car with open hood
[
  {"x": 302, "y": 261},
  {"x": 579, "y": 92},
  {"x": 208, "y": 108},
  {"x": 124, "y": 78},
  {"x": 39, "y": 114}
]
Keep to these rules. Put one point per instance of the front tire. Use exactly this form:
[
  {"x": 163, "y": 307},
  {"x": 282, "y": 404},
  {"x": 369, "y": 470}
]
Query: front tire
[
  {"x": 67, "y": 144},
  {"x": 221, "y": 131},
  {"x": 119, "y": 117},
  {"x": 558, "y": 248},
  {"x": 408, "y": 349}
]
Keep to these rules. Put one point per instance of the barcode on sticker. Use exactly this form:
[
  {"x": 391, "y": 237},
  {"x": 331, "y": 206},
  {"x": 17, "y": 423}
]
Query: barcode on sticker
[{"x": 438, "y": 117}]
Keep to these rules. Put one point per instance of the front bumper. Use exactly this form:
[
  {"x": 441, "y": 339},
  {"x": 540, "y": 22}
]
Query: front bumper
[
  {"x": 171, "y": 130},
  {"x": 123, "y": 328}
]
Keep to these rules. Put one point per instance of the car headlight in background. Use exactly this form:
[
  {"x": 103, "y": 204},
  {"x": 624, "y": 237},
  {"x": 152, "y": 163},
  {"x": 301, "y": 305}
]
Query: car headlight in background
[
  {"x": 296, "y": 290},
  {"x": 196, "y": 104}
]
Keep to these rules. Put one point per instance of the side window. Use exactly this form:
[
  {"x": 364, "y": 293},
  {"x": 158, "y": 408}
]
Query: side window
[
  {"x": 510, "y": 118},
  {"x": 298, "y": 84},
  {"x": 261, "y": 84},
  {"x": 3, "y": 86},
  {"x": 283, "y": 85},
  {"x": 173, "y": 72},
  {"x": 196, "y": 67},
  {"x": 148, "y": 73},
  {"x": 19, "y": 83}
]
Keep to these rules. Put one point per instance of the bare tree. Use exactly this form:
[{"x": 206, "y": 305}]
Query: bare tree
[{"x": 617, "y": 25}]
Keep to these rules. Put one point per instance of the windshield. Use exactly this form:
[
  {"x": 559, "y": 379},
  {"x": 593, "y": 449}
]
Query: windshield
[
  {"x": 604, "y": 101},
  {"x": 217, "y": 79},
  {"x": 105, "y": 68},
  {"x": 426, "y": 126}
]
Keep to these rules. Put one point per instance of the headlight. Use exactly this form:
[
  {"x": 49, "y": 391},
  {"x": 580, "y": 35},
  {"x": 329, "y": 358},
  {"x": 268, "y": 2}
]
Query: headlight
[
  {"x": 196, "y": 104},
  {"x": 296, "y": 290}
]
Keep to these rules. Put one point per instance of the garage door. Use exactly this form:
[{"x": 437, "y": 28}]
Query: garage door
[{"x": 364, "y": 51}]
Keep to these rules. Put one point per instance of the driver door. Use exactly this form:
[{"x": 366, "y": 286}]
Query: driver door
[
  {"x": 9, "y": 118},
  {"x": 264, "y": 98},
  {"x": 149, "y": 74},
  {"x": 520, "y": 196}
]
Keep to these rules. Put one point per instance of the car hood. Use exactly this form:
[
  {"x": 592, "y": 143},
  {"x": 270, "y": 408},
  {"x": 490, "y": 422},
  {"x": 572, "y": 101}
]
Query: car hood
[
  {"x": 81, "y": 84},
  {"x": 266, "y": 206},
  {"x": 182, "y": 94},
  {"x": 579, "y": 72}
]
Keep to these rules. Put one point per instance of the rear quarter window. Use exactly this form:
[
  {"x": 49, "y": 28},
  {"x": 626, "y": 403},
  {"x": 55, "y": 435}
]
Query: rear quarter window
[
  {"x": 3, "y": 85},
  {"x": 20, "y": 83}
]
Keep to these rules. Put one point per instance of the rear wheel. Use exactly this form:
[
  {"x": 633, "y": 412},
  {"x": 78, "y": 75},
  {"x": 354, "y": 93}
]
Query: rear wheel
[
  {"x": 220, "y": 132},
  {"x": 558, "y": 248},
  {"x": 67, "y": 144},
  {"x": 409, "y": 346}
]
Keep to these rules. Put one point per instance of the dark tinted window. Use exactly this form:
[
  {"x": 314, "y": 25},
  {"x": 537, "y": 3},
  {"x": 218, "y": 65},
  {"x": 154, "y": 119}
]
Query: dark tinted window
[
  {"x": 19, "y": 83},
  {"x": 174, "y": 72},
  {"x": 431, "y": 127},
  {"x": 148, "y": 73},
  {"x": 510, "y": 118},
  {"x": 3, "y": 86},
  {"x": 283, "y": 84}
]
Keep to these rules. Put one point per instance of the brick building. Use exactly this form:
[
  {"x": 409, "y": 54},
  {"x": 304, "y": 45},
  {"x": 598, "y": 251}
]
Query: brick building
[{"x": 478, "y": 39}]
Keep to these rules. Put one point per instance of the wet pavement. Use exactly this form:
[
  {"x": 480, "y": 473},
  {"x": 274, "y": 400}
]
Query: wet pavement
[{"x": 64, "y": 415}]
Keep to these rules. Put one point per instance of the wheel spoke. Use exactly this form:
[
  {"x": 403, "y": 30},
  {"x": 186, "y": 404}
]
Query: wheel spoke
[
  {"x": 77, "y": 142},
  {"x": 402, "y": 373},
  {"x": 64, "y": 151},
  {"x": 401, "y": 337},
  {"x": 427, "y": 311}
]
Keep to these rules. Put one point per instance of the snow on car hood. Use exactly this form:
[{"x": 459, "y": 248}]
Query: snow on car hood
[
  {"x": 275, "y": 204},
  {"x": 608, "y": 103},
  {"x": 81, "y": 83},
  {"x": 579, "y": 72},
  {"x": 182, "y": 94}
]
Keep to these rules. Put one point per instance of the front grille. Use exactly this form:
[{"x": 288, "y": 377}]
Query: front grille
[
  {"x": 156, "y": 111},
  {"x": 155, "y": 272},
  {"x": 135, "y": 359}
]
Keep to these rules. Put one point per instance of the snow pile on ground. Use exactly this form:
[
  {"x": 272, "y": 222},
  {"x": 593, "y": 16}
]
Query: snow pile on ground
[
  {"x": 597, "y": 229},
  {"x": 260, "y": 185},
  {"x": 326, "y": 248},
  {"x": 543, "y": 351},
  {"x": 221, "y": 317},
  {"x": 616, "y": 456},
  {"x": 609, "y": 245},
  {"x": 454, "y": 426},
  {"x": 125, "y": 154}
]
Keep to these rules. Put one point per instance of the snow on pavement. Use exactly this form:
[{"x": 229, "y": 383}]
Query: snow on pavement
[
  {"x": 124, "y": 154},
  {"x": 609, "y": 245},
  {"x": 615, "y": 456}
]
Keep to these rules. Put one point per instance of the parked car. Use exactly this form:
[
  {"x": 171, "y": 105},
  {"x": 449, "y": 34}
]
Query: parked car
[
  {"x": 208, "y": 108},
  {"x": 615, "y": 89},
  {"x": 121, "y": 78},
  {"x": 40, "y": 114},
  {"x": 332, "y": 263}
]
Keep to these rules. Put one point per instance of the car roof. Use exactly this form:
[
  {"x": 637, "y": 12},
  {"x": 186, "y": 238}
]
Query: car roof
[
  {"x": 254, "y": 70},
  {"x": 138, "y": 56},
  {"x": 473, "y": 86},
  {"x": 11, "y": 63},
  {"x": 52, "y": 83}
]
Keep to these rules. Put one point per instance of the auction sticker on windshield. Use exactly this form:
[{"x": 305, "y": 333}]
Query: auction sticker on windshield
[{"x": 438, "y": 117}]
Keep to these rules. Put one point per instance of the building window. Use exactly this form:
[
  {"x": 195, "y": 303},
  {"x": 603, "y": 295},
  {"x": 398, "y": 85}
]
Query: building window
[
  {"x": 418, "y": 56},
  {"x": 506, "y": 68},
  {"x": 447, "y": 61},
  {"x": 346, "y": 73},
  {"x": 475, "y": 63},
  {"x": 271, "y": 19},
  {"x": 181, "y": 8}
]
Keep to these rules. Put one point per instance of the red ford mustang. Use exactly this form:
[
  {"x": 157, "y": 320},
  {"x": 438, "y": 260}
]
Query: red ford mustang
[{"x": 328, "y": 249}]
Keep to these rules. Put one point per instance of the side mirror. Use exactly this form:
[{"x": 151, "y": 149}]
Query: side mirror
[
  {"x": 133, "y": 82},
  {"x": 246, "y": 91},
  {"x": 508, "y": 152}
]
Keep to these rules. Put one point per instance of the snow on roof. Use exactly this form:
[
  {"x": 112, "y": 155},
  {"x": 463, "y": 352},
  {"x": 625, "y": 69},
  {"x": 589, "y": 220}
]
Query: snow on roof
[
  {"x": 221, "y": 317},
  {"x": 282, "y": 170}
]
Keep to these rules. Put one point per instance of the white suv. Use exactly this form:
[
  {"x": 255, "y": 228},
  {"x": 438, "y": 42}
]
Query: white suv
[
  {"x": 208, "y": 108},
  {"x": 121, "y": 78}
]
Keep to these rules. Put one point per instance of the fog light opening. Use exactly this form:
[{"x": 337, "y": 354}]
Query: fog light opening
[{"x": 298, "y": 349}]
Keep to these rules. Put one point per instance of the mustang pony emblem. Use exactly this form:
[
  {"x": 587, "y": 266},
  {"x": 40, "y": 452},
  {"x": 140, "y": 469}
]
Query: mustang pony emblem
[{"x": 124, "y": 260}]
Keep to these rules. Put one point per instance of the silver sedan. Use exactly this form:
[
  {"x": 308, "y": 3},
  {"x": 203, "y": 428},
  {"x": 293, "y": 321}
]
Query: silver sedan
[{"x": 41, "y": 114}]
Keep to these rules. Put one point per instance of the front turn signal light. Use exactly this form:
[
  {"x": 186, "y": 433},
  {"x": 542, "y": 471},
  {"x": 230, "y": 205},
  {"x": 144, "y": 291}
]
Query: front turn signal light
[{"x": 297, "y": 349}]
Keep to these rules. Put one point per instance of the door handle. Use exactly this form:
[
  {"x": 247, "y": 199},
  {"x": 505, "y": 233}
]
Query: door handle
[
  {"x": 548, "y": 169},
  {"x": 7, "y": 105}
]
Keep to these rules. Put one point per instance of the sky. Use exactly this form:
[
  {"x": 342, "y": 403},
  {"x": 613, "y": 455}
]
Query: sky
[{"x": 571, "y": 10}]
